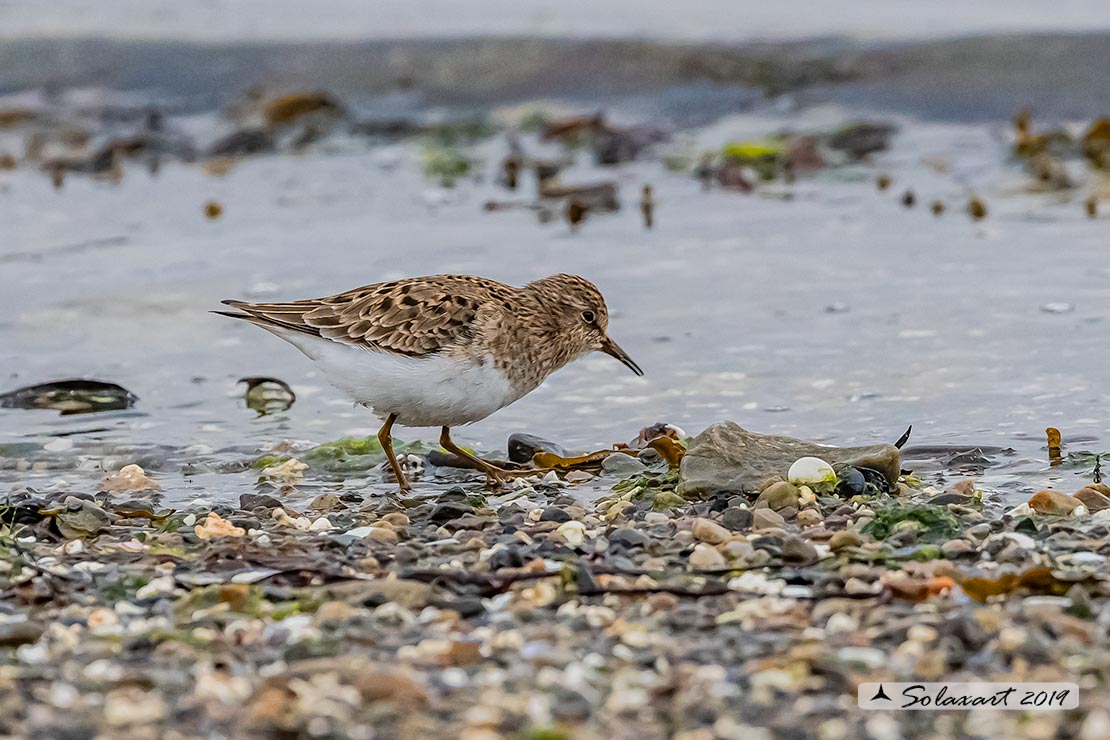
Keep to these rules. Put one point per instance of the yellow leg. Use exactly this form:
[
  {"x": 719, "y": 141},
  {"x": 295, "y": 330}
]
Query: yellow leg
[
  {"x": 385, "y": 436},
  {"x": 493, "y": 473}
]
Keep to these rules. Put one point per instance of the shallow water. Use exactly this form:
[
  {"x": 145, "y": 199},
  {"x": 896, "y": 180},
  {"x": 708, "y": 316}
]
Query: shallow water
[{"x": 825, "y": 310}]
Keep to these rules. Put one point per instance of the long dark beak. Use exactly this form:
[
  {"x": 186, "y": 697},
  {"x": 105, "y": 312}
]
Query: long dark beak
[{"x": 611, "y": 348}]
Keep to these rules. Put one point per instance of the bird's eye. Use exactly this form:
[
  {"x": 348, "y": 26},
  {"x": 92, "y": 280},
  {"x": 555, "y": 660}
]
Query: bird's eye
[{"x": 589, "y": 317}]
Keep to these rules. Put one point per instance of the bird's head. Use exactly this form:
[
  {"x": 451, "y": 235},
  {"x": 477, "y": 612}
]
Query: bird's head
[{"x": 578, "y": 309}]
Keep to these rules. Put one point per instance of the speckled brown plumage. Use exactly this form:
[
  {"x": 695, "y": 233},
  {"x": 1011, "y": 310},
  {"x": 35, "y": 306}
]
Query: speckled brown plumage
[{"x": 530, "y": 332}]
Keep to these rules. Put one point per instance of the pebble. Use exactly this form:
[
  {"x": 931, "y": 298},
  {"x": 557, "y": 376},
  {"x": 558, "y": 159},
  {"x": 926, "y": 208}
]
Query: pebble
[
  {"x": 627, "y": 537},
  {"x": 809, "y": 518},
  {"x": 573, "y": 533},
  {"x": 1096, "y": 726},
  {"x": 706, "y": 530},
  {"x": 955, "y": 548},
  {"x": 979, "y": 531},
  {"x": 622, "y": 465},
  {"x": 1054, "y": 503},
  {"x": 377, "y": 534},
  {"x": 554, "y": 514},
  {"x": 1093, "y": 499},
  {"x": 841, "y": 622},
  {"x": 860, "y": 587},
  {"x": 736, "y": 518},
  {"x": 779, "y": 495},
  {"x": 767, "y": 519},
  {"x": 705, "y": 557},
  {"x": 797, "y": 550}
]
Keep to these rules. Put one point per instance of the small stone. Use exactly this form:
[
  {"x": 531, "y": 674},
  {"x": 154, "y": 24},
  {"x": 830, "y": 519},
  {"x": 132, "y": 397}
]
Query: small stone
[
  {"x": 979, "y": 531},
  {"x": 554, "y": 514},
  {"x": 155, "y": 587},
  {"x": 707, "y": 530},
  {"x": 767, "y": 519},
  {"x": 736, "y": 549},
  {"x": 841, "y": 622},
  {"x": 705, "y": 557},
  {"x": 621, "y": 465},
  {"x": 797, "y": 550},
  {"x": 396, "y": 519},
  {"x": 1096, "y": 726},
  {"x": 955, "y": 548},
  {"x": 1093, "y": 499},
  {"x": 14, "y": 634},
  {"x": 578, "y": 476},
  {"x": 844, "y": 539},
  {"x": 132, "y": 706},
  {"x": 1053, "y": 503},
  {"x": 252, "y": 501},
  {"x": 384, "y": 535},
  {"x": 325, "y": 502},
  {"x": 627, "y": 537},
  {"x": 573, "y": 533},
  {"x": 736, "y": 518},
  {"x": 965, "y": 487},
  {"x": 808, "y": 518},
  {"x": 779, "y": 495},
  {"x": 859, "y": 587}
]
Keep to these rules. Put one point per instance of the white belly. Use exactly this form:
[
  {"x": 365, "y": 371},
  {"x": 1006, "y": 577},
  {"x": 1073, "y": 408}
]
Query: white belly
[{"x": 435, "y": 390}]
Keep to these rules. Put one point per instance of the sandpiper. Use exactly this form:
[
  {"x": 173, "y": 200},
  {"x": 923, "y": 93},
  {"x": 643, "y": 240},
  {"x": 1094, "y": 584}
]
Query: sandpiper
[{"x": 442, "y": 350}]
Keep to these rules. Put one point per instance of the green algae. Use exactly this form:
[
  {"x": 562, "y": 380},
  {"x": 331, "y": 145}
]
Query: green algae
[
  {"x": 927, "y": 521},
  {"x": 445, "y": 164}
]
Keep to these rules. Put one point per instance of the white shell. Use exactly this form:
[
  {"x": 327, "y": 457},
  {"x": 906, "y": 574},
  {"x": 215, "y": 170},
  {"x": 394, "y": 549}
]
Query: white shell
[{"x": 813, "y": 472}]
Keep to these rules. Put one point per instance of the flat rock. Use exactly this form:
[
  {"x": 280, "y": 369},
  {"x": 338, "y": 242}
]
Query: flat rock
[
  {"x": 727, "y": 457},
  {"x": 1093, "y": 499}
]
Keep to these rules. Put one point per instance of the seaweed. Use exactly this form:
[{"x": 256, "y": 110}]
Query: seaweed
[{"x": 929, "y": 522}]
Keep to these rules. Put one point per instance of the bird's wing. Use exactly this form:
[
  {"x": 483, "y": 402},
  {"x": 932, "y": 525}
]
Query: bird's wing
[{"x": 410, "y": 317}]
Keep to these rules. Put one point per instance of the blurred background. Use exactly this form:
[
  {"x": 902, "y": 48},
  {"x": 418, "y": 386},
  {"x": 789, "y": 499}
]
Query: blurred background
[{"x": 860, "y": 218}]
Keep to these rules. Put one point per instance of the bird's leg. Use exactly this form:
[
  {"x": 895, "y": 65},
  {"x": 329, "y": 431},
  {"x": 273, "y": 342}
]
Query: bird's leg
[
  {"x": 385, "y": 437},
  {"x": 493, "y": 473}
]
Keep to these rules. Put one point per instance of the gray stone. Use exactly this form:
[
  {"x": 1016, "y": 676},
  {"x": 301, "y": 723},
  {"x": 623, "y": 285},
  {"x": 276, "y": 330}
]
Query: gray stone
[
  {"x": 736, "y": 519},
  {"x": 797, "y": 550},
  {"x": 767, "y": 519},
  {"x": 726, "y": 457},
  {"x": 622, "y": 465},
  {"x": 628, "y": 537},
  {"x": 554, "y": 514}
]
